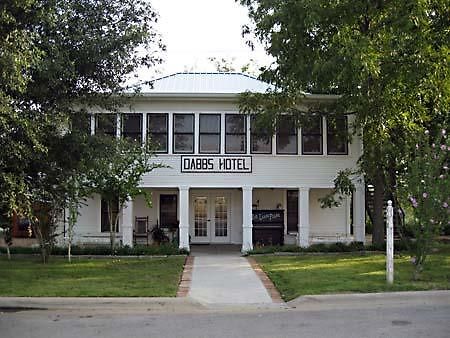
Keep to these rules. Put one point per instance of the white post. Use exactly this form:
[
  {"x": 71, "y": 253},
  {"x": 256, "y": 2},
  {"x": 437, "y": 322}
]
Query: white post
[
  {"x": 303, "y": 219},
  {"x": 247, "y": 221},
  {"x": 127, "y": 223},
  {"x": 184, "y": 218},
  {"x": 390, "y": 243},
  {"x": 359, "y": 214}
]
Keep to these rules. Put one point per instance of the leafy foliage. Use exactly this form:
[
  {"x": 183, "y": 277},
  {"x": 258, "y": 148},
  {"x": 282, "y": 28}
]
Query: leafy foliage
[
  {"x": 426, "y": 185},
  {"x": 59, "y": 58},
  {"x": 387, "y": 62},
  {"x": 117, "y": 173}
]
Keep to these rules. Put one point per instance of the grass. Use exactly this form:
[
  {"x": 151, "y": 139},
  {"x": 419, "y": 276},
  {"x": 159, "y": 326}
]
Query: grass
[
  {"x": 109, "y": 277},
  {"x": 351, "y": 272}
]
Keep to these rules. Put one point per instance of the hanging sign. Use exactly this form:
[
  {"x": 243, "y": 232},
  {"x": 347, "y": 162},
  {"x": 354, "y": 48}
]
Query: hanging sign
[{"x": 216, "y": 164}]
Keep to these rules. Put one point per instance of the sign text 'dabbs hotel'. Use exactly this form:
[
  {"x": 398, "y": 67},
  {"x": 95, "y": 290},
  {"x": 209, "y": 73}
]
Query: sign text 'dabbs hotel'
[{"x": 216, "y": 164}]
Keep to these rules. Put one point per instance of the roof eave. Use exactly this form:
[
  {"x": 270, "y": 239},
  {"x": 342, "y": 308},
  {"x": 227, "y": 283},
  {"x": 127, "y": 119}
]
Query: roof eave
[{"x": 222, "y": 96}]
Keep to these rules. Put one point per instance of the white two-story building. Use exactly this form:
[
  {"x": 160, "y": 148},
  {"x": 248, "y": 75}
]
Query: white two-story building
[{"x": 226, "y": 182}]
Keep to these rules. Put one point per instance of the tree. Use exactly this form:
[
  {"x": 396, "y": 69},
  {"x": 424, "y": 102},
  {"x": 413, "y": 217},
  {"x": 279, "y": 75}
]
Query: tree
[
  {"x": 51, "y": 65},
  {"x": 19, "y": 54},
  {"x": 426, "y": 185},
  {"x": 116, "y": 176},
  {"x": 387, "y": 61}
]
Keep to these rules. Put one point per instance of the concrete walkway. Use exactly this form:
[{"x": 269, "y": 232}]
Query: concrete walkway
[{"x": 225, "y": 278}]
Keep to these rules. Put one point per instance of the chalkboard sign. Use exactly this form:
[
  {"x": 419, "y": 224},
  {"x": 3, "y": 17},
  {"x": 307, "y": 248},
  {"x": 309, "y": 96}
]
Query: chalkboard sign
[
  {"x": 268, "y": 216},
  {"x": 268, "y": 227}
]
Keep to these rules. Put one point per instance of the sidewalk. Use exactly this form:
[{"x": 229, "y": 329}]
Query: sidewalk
[
  {"x": 187, "y": 305},
  {"x": 102, "y": 305},
  {"x": 225, "y": 279},
  {"x": 370, "y": 300}
]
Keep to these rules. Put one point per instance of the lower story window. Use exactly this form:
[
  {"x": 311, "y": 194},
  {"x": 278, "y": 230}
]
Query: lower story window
[
  {"x": 168, "y": 211},
  {"x": 292, "y": 211},
  {"x": 105, "y": 220}
]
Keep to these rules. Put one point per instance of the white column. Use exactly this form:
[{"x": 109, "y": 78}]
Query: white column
[
  {"x": 127, "y": 223},
  {"x": 247, "y": 225},
  {"x": 359, "y": 214},
  {"x": 184, "y": 218},
  {"x": 303, "y": 217}
]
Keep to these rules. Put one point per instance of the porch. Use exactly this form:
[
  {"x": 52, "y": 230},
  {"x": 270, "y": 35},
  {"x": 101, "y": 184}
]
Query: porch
[{"x": 227, "y": 216}]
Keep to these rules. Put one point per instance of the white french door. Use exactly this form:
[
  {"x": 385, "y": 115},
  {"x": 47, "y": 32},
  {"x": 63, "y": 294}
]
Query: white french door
[{"x": 210, "y": 218}]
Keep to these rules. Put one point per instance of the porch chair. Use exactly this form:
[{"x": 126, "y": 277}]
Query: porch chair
[{"x": 141, "y": 229}]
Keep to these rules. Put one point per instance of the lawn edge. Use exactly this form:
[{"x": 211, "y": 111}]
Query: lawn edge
[
  {"x": 184, "y": 285},
  {"x": 267, "y": 282}
]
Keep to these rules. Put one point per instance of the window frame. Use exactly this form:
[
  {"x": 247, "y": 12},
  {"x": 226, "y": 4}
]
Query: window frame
[
  {"x": 313, "y": 134},
  {"x": 200, "y": 133},
  {"x": 252, "y": 136},
  {"x": 238, "y": 134},
  {"x": 122, "y": 125},
  {"x": 345, "y": 118},
  {"x": 148, "y": 133},
  {"x": 182, "y": 133},
  {"x": 288, "y": 134}
]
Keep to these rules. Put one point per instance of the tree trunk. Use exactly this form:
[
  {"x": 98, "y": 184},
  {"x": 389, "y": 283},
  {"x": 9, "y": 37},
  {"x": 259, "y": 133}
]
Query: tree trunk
[
  {"x": 378, "y": 204},
  {"x": 42, "y": 243},
  {"x": 112, "y": 235},
  {"x": 73, "y": 213}
]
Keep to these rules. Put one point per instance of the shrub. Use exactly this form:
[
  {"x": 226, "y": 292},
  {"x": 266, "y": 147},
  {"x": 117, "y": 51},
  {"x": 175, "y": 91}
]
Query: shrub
[{"x": 105, "y": 250}]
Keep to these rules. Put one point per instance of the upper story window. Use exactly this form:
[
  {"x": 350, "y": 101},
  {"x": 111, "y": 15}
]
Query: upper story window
[
  {"x": 312, "y": 137},
  {"x": 157, "y": 131},
  {"x": 286, "y": 136},
  {"x": 132, "y": 127},
  {"x": 235, "y": 134},
  {"x": 81, "y": 122},
  {"x": 183, "y": 133},
  {"x": 337, "y": 135},
  {"x": 209, "y": 133},
  {"x": 106, "y": 124},
  {"x": 261, "y": 141}
]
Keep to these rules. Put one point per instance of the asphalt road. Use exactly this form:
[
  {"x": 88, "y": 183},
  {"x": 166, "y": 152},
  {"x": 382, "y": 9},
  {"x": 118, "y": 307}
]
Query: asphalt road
[{"x": 311, "y": 317}]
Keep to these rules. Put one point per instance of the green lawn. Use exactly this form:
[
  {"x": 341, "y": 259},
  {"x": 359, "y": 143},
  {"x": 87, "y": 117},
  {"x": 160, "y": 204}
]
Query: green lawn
[
  {"x": 318, "y": 274},
  {"x": 108, "y": 277}
]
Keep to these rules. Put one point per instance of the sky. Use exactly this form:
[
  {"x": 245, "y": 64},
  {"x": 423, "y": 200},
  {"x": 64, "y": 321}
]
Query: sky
[{"x": 194, "y": 30}]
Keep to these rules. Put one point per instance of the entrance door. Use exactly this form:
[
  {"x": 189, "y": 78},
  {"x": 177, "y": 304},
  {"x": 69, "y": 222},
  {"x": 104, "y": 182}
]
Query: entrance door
[{"x": 211, "y": 213}]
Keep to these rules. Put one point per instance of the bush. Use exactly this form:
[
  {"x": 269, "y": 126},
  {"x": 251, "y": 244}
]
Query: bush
[
  {"x": 105, "y": 250},
  {"x": 332, "y": 247}
]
